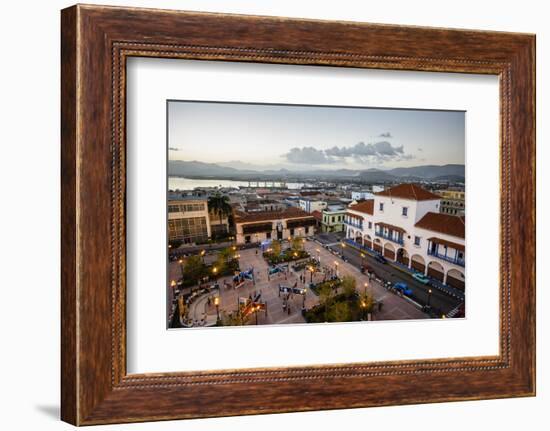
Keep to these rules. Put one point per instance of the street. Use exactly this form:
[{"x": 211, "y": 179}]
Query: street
[{"x": 438, "y": 300}]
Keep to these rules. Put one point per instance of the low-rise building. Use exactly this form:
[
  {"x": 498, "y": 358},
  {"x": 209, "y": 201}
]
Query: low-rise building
[
  {"x": 261, "y": 226},
  {"x": 453, "y": 202},
  {"x": 333, "y": 218},
  {"x": 404, "y": 224},
  {"x": 188, "y": 219},
  {"x": 310, "y": 205}
]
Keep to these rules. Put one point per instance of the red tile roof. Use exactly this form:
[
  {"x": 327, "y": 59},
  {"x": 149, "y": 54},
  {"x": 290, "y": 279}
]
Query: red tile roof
[
  {"x": 443, "y": 223},
  {"x": 366, "y": 207},
  {"x": 409, "y": 191},
  {"x": 317, "y": 215},
  {"x": 242, "y": 217}
]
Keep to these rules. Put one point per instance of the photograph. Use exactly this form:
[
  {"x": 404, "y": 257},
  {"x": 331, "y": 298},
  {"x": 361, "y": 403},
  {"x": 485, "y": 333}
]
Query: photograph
[{"x": 298, "y": 214}]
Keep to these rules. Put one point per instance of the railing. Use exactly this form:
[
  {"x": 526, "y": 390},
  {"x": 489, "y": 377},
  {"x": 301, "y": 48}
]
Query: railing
[
  {"x": 455, "y": 260},
  {"x": 356, "y": 225},
  {"x": 390, "y": 237}
]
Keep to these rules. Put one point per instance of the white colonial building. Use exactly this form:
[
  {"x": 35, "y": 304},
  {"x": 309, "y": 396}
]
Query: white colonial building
[
  {"x": 258, "y": 227},
  {"x": 404, "y": 224}
]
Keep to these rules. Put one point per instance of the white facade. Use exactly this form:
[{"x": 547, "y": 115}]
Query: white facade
[
  {"x": 309, "y": 205},
  {"x": 358, "y": 196},
  {"x": 391, "y": 230}
]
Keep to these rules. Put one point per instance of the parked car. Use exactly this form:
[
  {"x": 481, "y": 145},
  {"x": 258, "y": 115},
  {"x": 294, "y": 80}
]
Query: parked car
[
  {"x": 403, "y": 288},
  {"x": 421, "y": 278},
  {"x": 380, "y": 258}
]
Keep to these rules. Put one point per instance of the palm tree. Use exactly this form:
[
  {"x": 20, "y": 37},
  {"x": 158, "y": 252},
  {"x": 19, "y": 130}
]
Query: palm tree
[{"x": 220, "y": 206}]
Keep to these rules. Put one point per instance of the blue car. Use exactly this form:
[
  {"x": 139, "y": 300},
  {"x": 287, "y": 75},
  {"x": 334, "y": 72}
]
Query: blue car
[
  {"x": 380, "y": 259},
  {"x": 403, "y": 288}
]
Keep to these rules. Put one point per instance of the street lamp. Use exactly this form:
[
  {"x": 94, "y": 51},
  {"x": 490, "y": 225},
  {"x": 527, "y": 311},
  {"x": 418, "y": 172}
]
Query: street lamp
[
  {"x": 215, "y": 272},
  {"x": 429, "y": 297},
  {"x": 180, "y": 261},
  {"x": 336, "y": 265},
  {"x": 366, "y": 286},
  {"x": 203, "y": 252},
  {"x": 343, "y": 246},
  {"x": 217, "y": 304},
  {"x": 362, "y": 260},
  {"x": 363, "y": 308},
  {"x": 311, "y": 271}
]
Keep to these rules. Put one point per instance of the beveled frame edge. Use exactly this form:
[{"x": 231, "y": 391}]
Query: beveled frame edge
[{"x": 95, "y": 43}]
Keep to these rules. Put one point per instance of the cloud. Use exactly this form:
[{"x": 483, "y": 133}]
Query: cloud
[
  {"x": 378, "y": 150},
  {"x": 308, "y": 155},
  {"x": 385, "y": 135},
  {"x": 173, "y": 149},
  {"x": 374, "y": 152}
]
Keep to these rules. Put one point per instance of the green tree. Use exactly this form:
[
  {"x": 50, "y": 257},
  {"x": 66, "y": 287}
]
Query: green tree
[
  {"x": 297, "y": 244},
  {"x": 276, "y": 248},
  {"x": 219, "y": 205},
  {"x": 340, "y": 312},
  {"x": 194, "y": 269},
  {"x": 234, "y": 319},
  {"x": 326, "y": 294},
  {"x": 348, "y": 286}
]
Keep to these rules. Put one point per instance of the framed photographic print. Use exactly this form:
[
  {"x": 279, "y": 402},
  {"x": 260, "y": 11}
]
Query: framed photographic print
[{"x": 329, "y": 214}]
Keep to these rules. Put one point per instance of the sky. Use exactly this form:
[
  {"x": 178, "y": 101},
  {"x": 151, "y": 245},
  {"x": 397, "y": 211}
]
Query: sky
[{"x": 297, "y": 137}]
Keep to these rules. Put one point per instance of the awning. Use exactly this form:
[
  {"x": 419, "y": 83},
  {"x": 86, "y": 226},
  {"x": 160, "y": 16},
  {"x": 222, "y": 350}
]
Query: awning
[{"x": 451, "y": 244}]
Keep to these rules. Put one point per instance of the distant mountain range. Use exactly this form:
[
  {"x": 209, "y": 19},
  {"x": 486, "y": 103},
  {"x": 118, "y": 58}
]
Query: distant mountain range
[{"x": 195, "y": 169}]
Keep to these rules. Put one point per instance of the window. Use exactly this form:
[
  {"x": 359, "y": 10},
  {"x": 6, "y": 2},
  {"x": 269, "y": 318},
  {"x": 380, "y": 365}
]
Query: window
[
  {"x": 268, "y": 235},
  {"x": 307, "y": 231},
  {"x": 247, "y": 239},
  {"x": 332, "y": 219},
  {"x": 370, "y": 225},
  {"x": 404, "y": 211},
  {"x": 381, "y": 206},
  {"x": 416, "y": 240},
  {"x": 291, "y": 232}
]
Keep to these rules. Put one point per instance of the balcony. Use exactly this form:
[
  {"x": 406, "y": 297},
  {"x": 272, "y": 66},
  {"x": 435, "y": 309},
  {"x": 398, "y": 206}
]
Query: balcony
[
  {"x": 357, "y": 225},
  {"x": 456, "y": 260},
  {"x": 390, "y": 236}
]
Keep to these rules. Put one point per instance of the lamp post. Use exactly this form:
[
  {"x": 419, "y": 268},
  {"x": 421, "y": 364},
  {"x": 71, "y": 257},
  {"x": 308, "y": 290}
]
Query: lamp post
[
  {"x": 180, "y": 261},
  {"x": 429, "y": 297},
  {"x": 366, "y": 287},
  {"x": 362, "y": 260},
  {"x": 336, "y": 266},
  {"x": 363, "y": 308},
  {"x": 215, "y": 273},
  {"x": 318, "y": 256},
  {"x": 343, "y": 247},
  {"x": 311, "y": 271},
  {"x": 217, "y": 304},
  {"x": 203, "y": 252}
]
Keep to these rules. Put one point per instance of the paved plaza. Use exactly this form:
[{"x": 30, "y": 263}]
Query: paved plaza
[{"x": 203, "y": 312}]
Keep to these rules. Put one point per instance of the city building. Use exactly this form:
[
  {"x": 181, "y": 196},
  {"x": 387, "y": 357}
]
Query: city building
[
  {"x": 218, "y": 228},
  {"x": 333, "y": 218},
  {"x": 310, "y": 205},
  {"x": 268, "y": 225},
  {"x": 188, "y": 219},
  {"x": 360, "y": 195},
  {"x": 453, "y": 202},
  {"x": 404, "y": 224}
]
